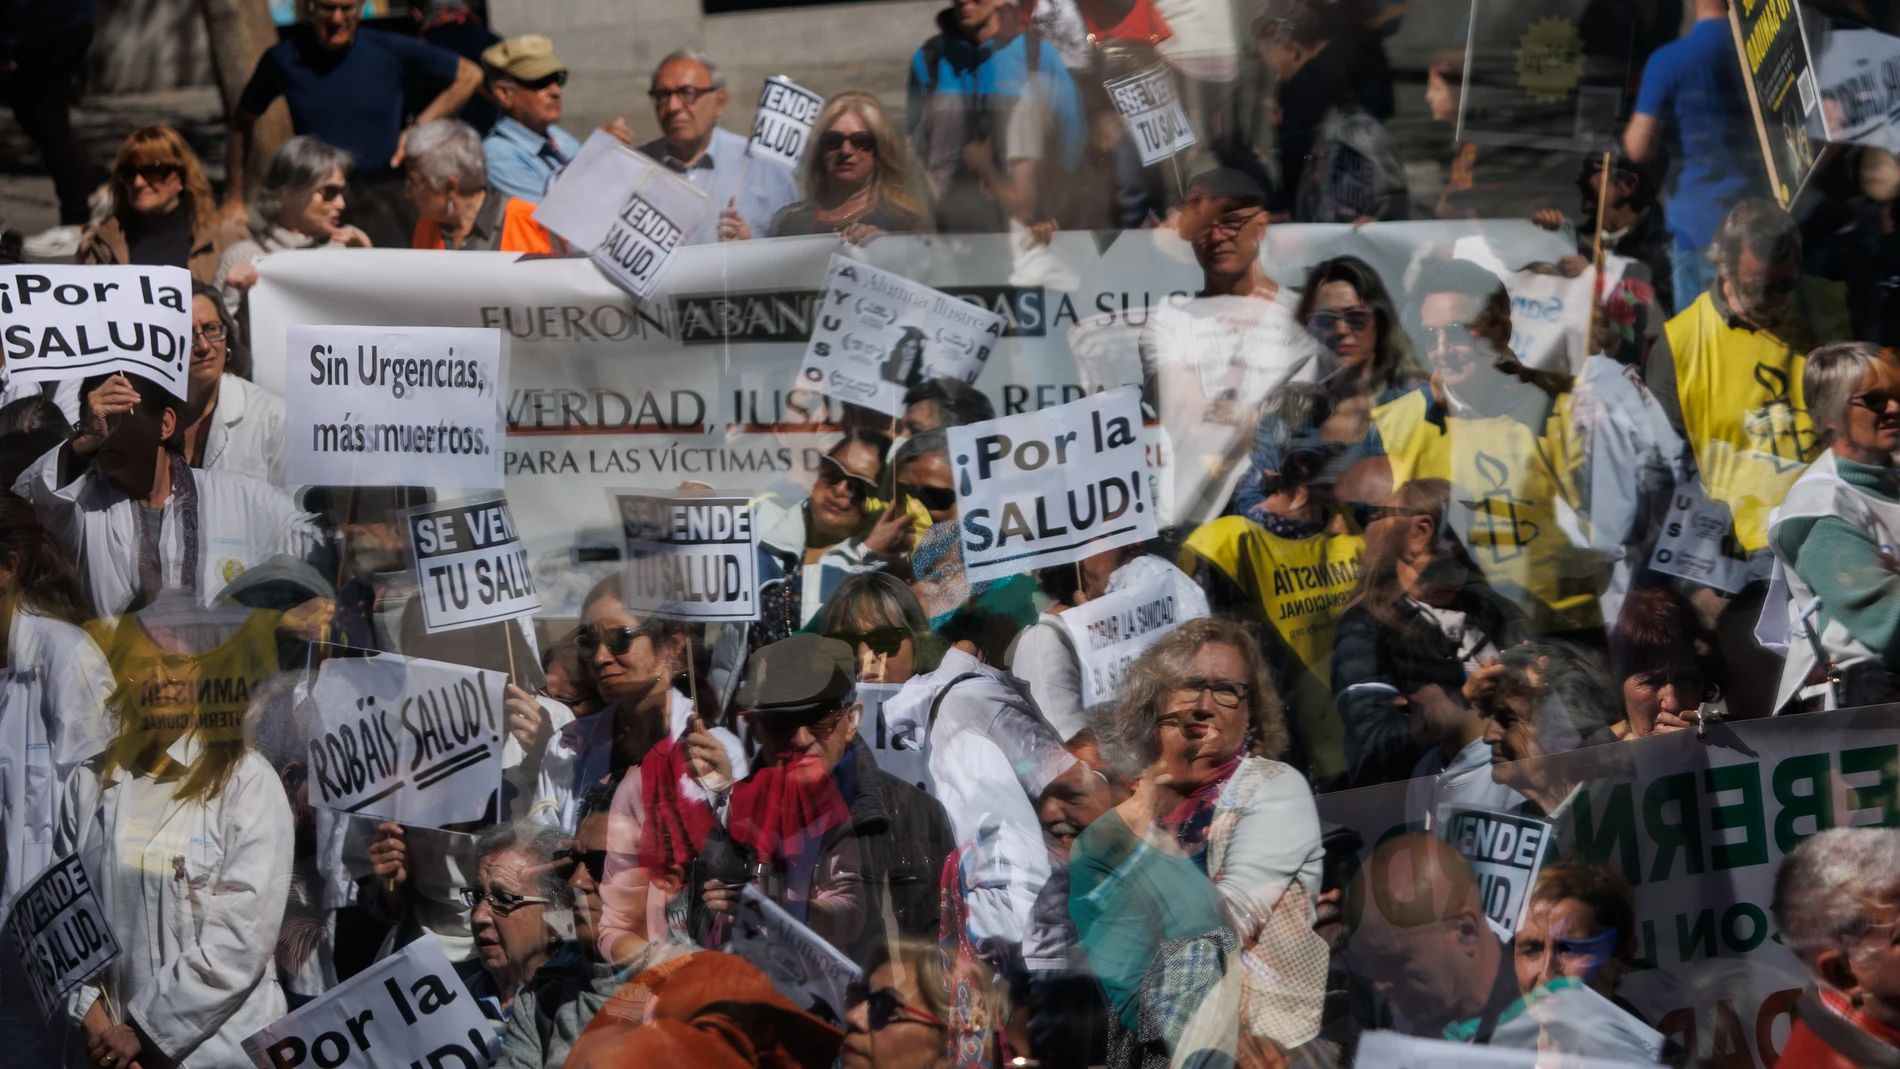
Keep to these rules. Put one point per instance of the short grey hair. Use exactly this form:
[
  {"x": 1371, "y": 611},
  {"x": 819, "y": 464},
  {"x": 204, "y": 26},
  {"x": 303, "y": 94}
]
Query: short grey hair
[
  {"x": 714, "y": 75},
  {"x": 536, "y": 842},
  {"x": 296, "y": 169},
  {"x": 1824, "y": 886},
  {"x": 1833, "y": 374},
  {"x": 1758, "y": 226},
  {"x": 445, "y": 149}
]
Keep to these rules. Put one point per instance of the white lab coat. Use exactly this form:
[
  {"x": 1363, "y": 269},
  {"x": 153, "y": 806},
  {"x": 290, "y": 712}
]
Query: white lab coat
[
  {"x": 241, "y": 521},
  {"x": 247, "y": 431},
  {"x": 195, "y": 893}
]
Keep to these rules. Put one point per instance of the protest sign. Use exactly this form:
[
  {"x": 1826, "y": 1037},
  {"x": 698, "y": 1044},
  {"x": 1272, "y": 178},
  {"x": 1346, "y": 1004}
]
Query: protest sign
[
  {"x": 1080, "y": 470},
  {"x": 583, "y": 197},
  {"x": 61, "y": 321},
  {"x": 1534, "y": 80},
  {"x": 640, "y": 240},
  {"x": 782, "y": 125},
  {"x": 900, "y": 744},
  {"x": 1779, "y": 74},
  {"x": 1109, "y": 632},
  {"x": 806, "y": 969},
  {"x": 470, "y": 565},
  {"x": 1506, "y": 853},
  {"x": 1153, "y": 114},
  {"x": 375, "y": 406},
  {"x": 404, "y": 739},
  {"x": 879, "y": 334},
  {"x": 1691, "y": 545},
  {"x": 57, "y": 927},
  {"x": 1860, "y": 86},
  {"x": 690, "y": 558},
  {"x": 408, "y": 1009}
]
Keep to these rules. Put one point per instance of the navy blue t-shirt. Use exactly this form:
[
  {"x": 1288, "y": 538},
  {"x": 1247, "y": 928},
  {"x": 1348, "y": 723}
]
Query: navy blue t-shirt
[
  {"x": 351, "y": 99},
  {"x": 1694, "y": 85}
]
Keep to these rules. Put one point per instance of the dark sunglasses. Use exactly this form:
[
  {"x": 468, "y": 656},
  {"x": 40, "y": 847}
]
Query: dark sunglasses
[
  {"x": 1757, "y": 291},
  {"x": 687, "y": 94},
  {"x": 618, "y": 640},
  {"x": 594, "y": 861},
  {"x": 884, "y": 641},
  {"x": 783, "y": 724},
  {"x": 885, "y": 1005},
  {"x": 1327, "y": 321},
  {"x": 1453, "y": 335},
  {"x": 153, "y": 173},
  {"x": 1876, "y": 401},
  {"x": 1365, "y": 515},
  {"x": 832, "y": 471},
  {"x": 329, "y": 193},
  {"x": 832, "y": 141},
  {"x": 934, "y": 498},
  {"x": 535, "y": 86}
]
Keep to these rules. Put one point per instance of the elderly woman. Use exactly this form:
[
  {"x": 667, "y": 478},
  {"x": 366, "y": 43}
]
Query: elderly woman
[
  {"x": 854, "y": 177},
  {"x": 456, "y": 207},
  {"x": 1659, "y": 651},
  {"x": 300, "y": 204},
  {"x": 1199, "y": 728},
  {"x": 1833, "y": 896},
  {"x": 518, "y": 882},
  {"x": 229, "y": 421},
  {"x": 1836, "y": 531},
  {"x": 162, "y": 209}
]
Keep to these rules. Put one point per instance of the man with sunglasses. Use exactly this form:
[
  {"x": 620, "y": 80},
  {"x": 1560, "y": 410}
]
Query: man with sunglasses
[
  {"x": 525, "y": 149},
  {"x": 689, "y": 96}
]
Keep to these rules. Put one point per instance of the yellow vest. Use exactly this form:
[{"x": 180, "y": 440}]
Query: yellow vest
[
  {"x": 1299, "y": 587},
  {"x": 1512, "y": 483},
  {"x": 164, "y": 693},
  {"x": 1742, "y": 405}
]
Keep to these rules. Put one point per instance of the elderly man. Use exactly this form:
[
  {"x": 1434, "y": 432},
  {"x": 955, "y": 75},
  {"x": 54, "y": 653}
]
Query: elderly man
[
  {"x": 1836, "y": 899},
  {"x": 525, "y": 148},
  {"x": 689, "y": 95},
  {"x": 516, "y": 886}
]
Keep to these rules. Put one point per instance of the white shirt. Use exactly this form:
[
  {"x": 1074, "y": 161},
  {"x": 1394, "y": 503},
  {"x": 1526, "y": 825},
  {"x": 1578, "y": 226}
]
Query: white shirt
[
  {"x": 1464, "y": 781},
  {"x": 1046, "y": 663},
  {"x": 247, "y": 431},
  {"x": 1240, "y": 347}
]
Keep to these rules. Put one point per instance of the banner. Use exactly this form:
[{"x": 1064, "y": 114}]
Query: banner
[
  {"x": 1151, "y": 110},
  {"x": 1779, "y": 74},
  {"x": 404, "y": 739},
  {"x": 690, "y": 558},
  {"x": 781, "y": 127},
  {"x": 470, "y": 565},
  {"x": 811, "y": 972},
  {"x": 1051, "y": 487},
  {"x": 408, "y": 1009},
  {"x": 371, "y": 406},
  {"x": 69, "y": 322},
  {"x": 901, "y": 745},
  {"x": 879, "y": 334},
  {"x": 57, "y": 927},
  {"x": 1109, "y": 632},
  {"x": 1506, "y": 854}
]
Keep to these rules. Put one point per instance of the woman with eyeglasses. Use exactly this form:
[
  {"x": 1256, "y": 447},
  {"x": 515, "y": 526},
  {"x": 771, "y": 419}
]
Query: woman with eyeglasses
[
  {"x": 162, "y": 209},
  {"x": 299, "y": 205},
  {"x": 229, "y": 421},
  {"x": 897, "y": 1018},
  {"x": 1835, "y": 534},
  {"x": 855, "y": 182}
]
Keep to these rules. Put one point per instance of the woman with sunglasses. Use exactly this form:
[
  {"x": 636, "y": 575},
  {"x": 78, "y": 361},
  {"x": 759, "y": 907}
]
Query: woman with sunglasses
[
  {"x": 299, "y": 205},
  {"x": 897, "y": 1017},
  {"x": 162, "y": 211},
  {"x": 1835, "y": 533},
  {"x": 854, "y": 176},
  {"x": 879, "y": 618}
]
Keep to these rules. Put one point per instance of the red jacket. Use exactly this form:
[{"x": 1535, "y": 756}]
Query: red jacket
[{"x": 1829, "y": 1034}]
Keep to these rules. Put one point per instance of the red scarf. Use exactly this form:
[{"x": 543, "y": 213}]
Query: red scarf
[{"x": 777, "y": 813}]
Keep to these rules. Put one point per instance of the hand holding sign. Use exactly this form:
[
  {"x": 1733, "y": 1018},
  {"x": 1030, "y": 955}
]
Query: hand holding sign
[{"x": 69, "y": 322}]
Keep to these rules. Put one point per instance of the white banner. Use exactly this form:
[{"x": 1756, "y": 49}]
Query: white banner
[
  {"x": 806, "y": 969},
  {"x": 61, "y": 321},
  {"x": 470, "y": 565},
  {"x": 371, "y": 406},
  {"x": 408, "y": 1009},
  {"x": 901, "y": 745},
  {"x": 879, "y": 334},
  {"x": 690, "y": 558},
  {"x": 1051, "y": 487},
  {"x": 781, "y": 128},
  {"x": 1109, "y": 632},
  {"x": 1506, "y": 854},
  {"x": 57, "y": 927},
  {"x": 1153, "y": 113},
  {"x": 404, "y": 739}
]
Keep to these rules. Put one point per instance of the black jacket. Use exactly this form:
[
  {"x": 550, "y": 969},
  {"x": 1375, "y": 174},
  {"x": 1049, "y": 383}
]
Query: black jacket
[{"x": 903, "y": 837}]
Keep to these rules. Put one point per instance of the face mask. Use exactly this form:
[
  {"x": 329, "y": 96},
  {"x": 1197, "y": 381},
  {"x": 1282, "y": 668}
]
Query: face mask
[{"x": 129, "y": 457}]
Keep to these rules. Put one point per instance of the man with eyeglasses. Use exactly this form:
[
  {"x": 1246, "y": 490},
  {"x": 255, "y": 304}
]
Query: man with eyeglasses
[
  {"x": 344, "y": 84},
  {"x": 517, "y": 885},
  {"x": 525, "y": 149},
  {"x": 689, "y": 96}
]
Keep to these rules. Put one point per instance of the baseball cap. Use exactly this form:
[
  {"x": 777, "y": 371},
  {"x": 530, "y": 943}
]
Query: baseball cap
[
  {"x": 1227, "y": 182},
  {"x": 527, "y": 58},
  {"x": 805, "y": 673}
]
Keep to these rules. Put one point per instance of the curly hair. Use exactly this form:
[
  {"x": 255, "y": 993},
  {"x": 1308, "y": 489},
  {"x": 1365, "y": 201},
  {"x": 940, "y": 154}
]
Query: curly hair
[{"x": 1136, "y": 718}]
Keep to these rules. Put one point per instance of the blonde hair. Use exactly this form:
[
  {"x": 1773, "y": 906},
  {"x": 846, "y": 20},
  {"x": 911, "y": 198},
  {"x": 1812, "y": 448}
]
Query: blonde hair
[
  {"x": 1155, "y": 674},
  {"x": 162, "y": 144},
  {"x": 891, "y": 182}
]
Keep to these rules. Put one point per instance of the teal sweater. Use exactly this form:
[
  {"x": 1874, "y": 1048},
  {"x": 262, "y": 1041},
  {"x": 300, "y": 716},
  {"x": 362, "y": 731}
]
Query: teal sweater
[{"x": 1841, "y": 562}]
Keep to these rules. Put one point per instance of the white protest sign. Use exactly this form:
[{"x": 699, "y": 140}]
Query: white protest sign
[
  {"x": 470, "y": 565},
  {"x": 694, "y": 558},
  {"x": 408, "y": 1009},
  {"x": 640, "y": 239},
  {"x": 395, "y": 406},
  {"x": 403, "y": 739},
  {"x": 1052, "y": 487},
  {"x": 583, "y": 198},
  {"x": 1506, "y": 853},
  {"x": 879, "y": 334},
  {"x": 57, "y": 927},
  {"x": 900, "y": 744},
  {"x": 1109, "y": 632},
  {"x": 806, "y": 969},
  {"x": 1690, "y": 546},
  {"x": 1153, "y": 113},
  {"x": 781, "y": 127},
  {"x": 62, "y": 321}
]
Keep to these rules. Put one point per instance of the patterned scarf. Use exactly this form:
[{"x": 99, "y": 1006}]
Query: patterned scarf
[{"x": 151, "y": 571}]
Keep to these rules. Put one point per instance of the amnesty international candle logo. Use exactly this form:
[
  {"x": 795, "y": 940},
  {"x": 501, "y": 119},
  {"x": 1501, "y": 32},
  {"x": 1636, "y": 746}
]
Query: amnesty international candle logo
[
  {"x": 1550, "y": 59},
  {"x": 1774, "y": 429},
  {"x": 1495, "y": 524}
]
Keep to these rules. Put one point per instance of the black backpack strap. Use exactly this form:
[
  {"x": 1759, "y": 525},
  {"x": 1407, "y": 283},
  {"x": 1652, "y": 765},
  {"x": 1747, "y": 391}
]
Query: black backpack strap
[
  {"x": 937, "y": 702},
  {"x": 933, "y": 55}
]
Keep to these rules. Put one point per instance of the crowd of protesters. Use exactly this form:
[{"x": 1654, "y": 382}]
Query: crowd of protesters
[{"x": 1141, "y": 879}]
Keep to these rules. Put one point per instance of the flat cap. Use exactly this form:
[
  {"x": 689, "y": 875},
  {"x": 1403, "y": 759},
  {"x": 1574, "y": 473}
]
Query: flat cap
[
  {"x": 1227, "y": 182},
  {"x": 527, "y": 58},
  {"x": 801, "y": 674}
]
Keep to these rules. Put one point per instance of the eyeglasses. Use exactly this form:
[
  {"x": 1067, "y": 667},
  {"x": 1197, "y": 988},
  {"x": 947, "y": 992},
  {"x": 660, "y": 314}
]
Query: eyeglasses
[
  {"x": 934, "y": 498},
  {"x": 594, "y": 861},
  {"x": 618, "y": 640},
  {"x": 885, "y": 641},
  {"x": 211, "y": 332},
  {"x": 1325, "y": 322},
  {"x": 832, "y": 141},
  {"x": 501, "y": 902},
  {"x": 1755, "y": 291},
  {"x": 1876, "y": 401},
  {"x": 687, "y": 94},
  {"x": 885, "y": 1005},
  {"x": 535, "y": 86},
  {"x": 1234, "y": 222},
  {"x": 1227, "y": 693},
  {"x": 153, "y": 173},
  {"x": 327, "y": 194},
  {"x": 832, "y": 471},
  {"x": 1454, "y": 336}
]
